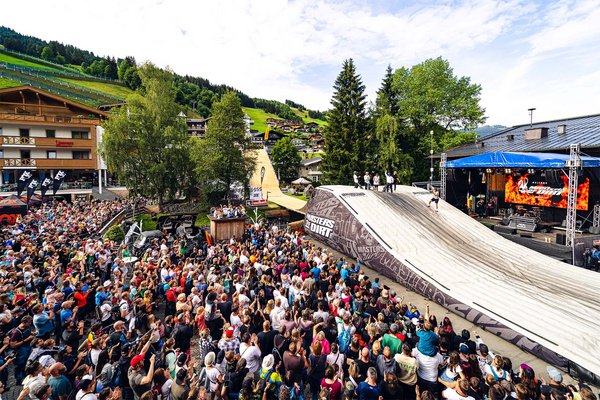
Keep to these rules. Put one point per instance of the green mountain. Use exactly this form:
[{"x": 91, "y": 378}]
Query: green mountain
[{"x": 86, "y": 77}]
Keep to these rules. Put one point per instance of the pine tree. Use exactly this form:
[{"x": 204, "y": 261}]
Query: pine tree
[{"x": 346, "y": 136}]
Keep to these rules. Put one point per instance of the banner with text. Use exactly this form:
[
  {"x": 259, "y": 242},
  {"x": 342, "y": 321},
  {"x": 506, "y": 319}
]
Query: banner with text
[{"x": 535, "y": 190}]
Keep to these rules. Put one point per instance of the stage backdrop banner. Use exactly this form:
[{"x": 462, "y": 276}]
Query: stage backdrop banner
[{"x": 534, "y": 190}]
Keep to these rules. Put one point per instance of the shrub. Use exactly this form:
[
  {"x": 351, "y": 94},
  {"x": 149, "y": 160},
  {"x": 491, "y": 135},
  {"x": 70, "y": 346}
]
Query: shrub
[{"x": 115, "y": 233}]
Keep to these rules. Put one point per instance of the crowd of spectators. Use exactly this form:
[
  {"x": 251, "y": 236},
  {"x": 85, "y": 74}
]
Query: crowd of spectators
[
  {"x": 228, "y": 211},
  {"x": 269, "y": 316}
]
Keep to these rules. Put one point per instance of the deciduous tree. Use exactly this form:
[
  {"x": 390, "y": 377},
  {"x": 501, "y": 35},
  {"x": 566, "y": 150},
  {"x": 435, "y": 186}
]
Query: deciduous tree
[
  {"x": 223, "y": 156},
  {"x": 286, "y": 159},
  {"x": 145, "y": 142}
]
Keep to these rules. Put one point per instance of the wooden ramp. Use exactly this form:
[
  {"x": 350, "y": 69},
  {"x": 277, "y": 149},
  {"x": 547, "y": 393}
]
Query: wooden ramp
[
  {"x": 541, "y": 304},
  {"x": 271, "y": 184}
]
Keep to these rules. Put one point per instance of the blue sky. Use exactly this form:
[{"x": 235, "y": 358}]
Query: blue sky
[{"x": 524, "y": 54}]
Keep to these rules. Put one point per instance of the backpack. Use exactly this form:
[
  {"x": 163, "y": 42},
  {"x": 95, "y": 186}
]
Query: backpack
[
  {"x": 262, "y": 385},
  {"x": 170, "y": 294},
  {"x": 344, "y": 339},
  {"x": 116, "y": 379}
]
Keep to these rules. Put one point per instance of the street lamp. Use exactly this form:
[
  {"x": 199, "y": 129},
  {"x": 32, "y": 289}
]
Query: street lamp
[
  {"x": 262, "y": 175},
  {"x": 431, "y": 161}
]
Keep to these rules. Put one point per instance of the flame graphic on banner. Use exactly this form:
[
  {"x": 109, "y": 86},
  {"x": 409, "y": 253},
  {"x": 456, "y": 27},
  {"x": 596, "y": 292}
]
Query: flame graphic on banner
[{"x": 517, "y": 191}]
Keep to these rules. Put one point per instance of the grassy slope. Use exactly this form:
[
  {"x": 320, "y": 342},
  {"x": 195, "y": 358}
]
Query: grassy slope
[
  {"x": 5, "y": 58},
  {"x": 259, "y": 117},
  {"x": 108, "y": 88},
  {"x": 6, "y": 83},
  {"x": 306, "y": 118}
]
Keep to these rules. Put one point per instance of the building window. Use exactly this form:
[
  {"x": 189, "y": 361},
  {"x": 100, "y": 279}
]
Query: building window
[
  {"x": 24, "y": 132},
  {"x": 25, "y": 154},
  {"x": 51, "y": 154},
  {"x": 81, "y": 155},
  {"x": 80, "y": 135},
  {"x": 50, "y": 133},
  {"x": 1, "y": 153},
  {"x": 0, "y": 131}
]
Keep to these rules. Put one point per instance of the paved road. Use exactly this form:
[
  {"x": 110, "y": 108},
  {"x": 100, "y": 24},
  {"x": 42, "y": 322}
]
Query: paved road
[{"x": 270, "y": 184}]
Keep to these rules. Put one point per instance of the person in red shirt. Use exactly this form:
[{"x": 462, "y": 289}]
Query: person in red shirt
[
  {"x": 81, "y": 298},
  {"x": 332, "y": 382}
]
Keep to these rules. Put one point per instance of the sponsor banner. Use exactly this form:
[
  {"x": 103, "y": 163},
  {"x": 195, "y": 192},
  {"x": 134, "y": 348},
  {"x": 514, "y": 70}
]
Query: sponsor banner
[
  {"x": 58, "y": 180},
  {"x": 256, "y": 194},
  {"x": 257, "y": 203},
  {"x": 320, "y": 226},
  {"x": 31, "y": 188},
  {"x": 46, "y": 183},
  {"x": 535, "y": 190},
  {"x": 23, "y": 182}
]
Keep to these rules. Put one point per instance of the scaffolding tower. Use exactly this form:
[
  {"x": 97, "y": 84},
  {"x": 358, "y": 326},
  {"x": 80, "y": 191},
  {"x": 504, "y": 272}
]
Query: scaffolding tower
[
  {"x": 573, "y": 164},
  {"x": 443, "y": 175}
]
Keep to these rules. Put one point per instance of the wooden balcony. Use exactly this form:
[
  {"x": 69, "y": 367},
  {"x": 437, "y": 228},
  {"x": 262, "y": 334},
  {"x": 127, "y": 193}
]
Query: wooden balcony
[
  {"x": 54, "y": 119},
  {"x": 51, "y": 143},
  {"x": 18, "y": 141},
  {"x": 48, "y": 163}
]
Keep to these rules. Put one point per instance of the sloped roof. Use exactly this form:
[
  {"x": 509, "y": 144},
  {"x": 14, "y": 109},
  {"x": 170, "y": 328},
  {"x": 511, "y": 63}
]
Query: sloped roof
[
  {"x": 519, "y": 160},
  {"x": 584, "y": 130},
  {"x": 50, "y": 95},
  {"x": 310, "y": 161}
]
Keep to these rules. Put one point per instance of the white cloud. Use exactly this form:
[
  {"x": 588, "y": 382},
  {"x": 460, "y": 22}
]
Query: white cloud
[{"x": 268, "y": 48}]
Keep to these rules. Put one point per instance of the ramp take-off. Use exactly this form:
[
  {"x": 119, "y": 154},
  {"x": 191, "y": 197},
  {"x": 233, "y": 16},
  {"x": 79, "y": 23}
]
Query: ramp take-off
[{"x": 545, "y": 306}]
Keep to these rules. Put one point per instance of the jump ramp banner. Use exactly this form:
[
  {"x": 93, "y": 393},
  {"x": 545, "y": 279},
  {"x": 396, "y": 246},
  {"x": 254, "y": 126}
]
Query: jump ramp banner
[{"x": 543, "y": 306}]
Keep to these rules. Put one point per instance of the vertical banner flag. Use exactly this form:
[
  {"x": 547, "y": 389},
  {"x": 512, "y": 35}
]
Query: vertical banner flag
[
  {"x": 58, "y": 180},
  {"x": 24, "y": 180},
  {"x": 31, "y": 188},
  {"x": 46, "y": 185}
]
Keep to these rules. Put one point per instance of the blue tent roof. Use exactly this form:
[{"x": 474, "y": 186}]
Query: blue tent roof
[{"x": 519, "y": 160}]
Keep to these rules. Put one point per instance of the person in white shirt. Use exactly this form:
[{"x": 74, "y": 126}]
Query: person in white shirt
[
  {"x": 459, "y": 392},
  {"x": 276, "y": 315},
  {"x": 428, "y": 370},
  {"x": 250, "y": 351}
]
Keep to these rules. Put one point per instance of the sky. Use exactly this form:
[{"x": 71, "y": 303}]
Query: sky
[{"x": 524, "y": 54}]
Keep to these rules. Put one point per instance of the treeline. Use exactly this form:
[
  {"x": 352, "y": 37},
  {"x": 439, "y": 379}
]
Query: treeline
[
  {"x": 198, "y": 94},
  {"x": 276, "y": 107},
  {"x": 311, "y": 113}
]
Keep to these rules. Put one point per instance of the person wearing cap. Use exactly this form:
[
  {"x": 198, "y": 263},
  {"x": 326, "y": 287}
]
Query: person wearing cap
[
  {"x": 181, "y": 386},
  {"x": 140, "y": 380},
  {"x": 393, "y": 340},
  {"x": 210, "y": 376},
  {"x": 271, "y": 376},
  {"x": 229, "y": 342},
  {"x": 555, "y": 384}
]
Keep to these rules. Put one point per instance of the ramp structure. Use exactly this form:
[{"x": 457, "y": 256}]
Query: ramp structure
[{"x": 544, "y": 306}]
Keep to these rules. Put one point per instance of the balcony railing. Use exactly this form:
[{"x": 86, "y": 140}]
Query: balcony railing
[
  {"x": 50, "y": 118},
  {"x": 19, "y": 162},
  {"x": 18, "y": 140}
]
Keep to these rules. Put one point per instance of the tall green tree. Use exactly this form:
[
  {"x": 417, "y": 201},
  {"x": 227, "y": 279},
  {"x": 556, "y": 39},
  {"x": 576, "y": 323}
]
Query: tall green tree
[
  {"x": 430, "y": 97},
  {"x": 347, "y": 137},
  {"x": 146, "y": 143},
  {"x": 223, "y": 156},
  {"x": 286, "y": 159}
]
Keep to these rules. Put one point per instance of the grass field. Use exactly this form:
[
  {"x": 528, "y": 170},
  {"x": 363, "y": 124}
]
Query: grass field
[
  {"x": 108, "y": 88},
  {"x": 306, "y": 118},
  {"x": 6, "y": 83},
  {"x": 5, "y": 58},
  {"x": 259, "y": 117}
]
